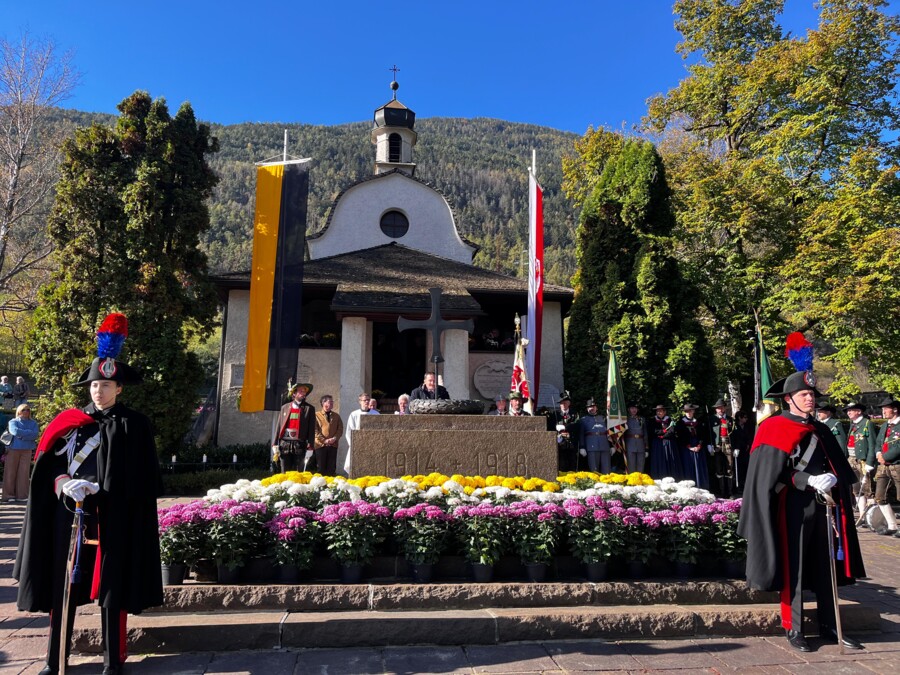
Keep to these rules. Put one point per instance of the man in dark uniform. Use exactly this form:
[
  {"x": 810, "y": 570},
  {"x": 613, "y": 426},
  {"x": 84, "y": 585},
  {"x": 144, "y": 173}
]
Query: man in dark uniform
[
  {"x": 294, "y": 437},
  {"x": 793, "y": 458},
  {"x": 103, "y": 456},
  {"x": 861, "y": 446},
  {"x": 516, "y": 405},
  {"x": 887, "y": 454},
  {"x": 636, "y": 439},
  {"x": 721, "y": 464},
  {"x": 564, "y": 421},
  {"x": 691, "y": 443},
  {"x": 664, "y": 458}
]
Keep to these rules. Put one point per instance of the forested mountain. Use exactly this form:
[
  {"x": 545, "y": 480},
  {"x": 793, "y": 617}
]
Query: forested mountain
[{"x": 479, "y": 164}]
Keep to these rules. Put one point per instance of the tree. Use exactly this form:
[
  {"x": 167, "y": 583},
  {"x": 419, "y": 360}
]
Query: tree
[
  {"x": 628, "y": 289},
  {"x": 769, "y": 136},
  {"x": 129, "y": 214},
  {"x": 34, "y": 78}
]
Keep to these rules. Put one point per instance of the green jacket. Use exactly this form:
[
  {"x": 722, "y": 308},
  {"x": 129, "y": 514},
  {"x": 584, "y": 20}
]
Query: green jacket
[
  {"x": 890, "y": 435},
  {"x": 837, "y": 429},
  {"x": 864, "y": 432}
]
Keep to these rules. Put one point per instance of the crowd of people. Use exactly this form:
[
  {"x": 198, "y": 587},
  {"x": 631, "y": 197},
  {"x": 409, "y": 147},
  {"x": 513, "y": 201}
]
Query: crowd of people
[{"x": 18, "y": 438}]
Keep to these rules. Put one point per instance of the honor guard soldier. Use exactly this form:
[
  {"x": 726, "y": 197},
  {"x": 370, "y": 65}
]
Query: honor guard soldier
[
  {"x": 827, "y": 415},
  {"x": 595, "y": 440},
  {"x": 101, "y": 458},
  {"x": 861, "y": 447},
  {"x": 887, "y": 454},
  {"x": 564, "y": 421},
  {"x": 721, "y": 426},
  {"x": 516, "y": 403},
  {"x": 636, "y": 439},
  {"x": 783, "y": 518}
]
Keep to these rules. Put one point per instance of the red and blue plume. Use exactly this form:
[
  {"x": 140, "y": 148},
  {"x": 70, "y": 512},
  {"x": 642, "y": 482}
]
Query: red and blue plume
[
  {"x": 111, "y": 335},
  {"x": 799, "y": 350}
]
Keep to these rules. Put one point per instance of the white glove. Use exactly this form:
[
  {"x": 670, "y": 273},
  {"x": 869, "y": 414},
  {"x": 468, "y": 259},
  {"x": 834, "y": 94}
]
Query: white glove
[
  {"x": 560, "y": 427},
  {"x": 736, "y": 452},
  {"x": 582, "y": 452},
  {"x": 869, "y": 468},
  {"x": 612, "y": 450},
  {"x": 822, "y": 482},
  {"x": 309, "y": 453},
  {"x": 711, "y": 450},
  {"x": 78, "y": 489}
]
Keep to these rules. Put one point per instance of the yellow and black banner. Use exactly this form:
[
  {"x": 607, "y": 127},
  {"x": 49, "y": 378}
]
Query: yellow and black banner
[{"x": 276, "y": 284}]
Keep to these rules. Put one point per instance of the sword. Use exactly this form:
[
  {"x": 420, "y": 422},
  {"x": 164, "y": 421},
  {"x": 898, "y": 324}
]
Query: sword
[
  {"x": 73, "y": 576},
  {"x": 829, "y": 516}
]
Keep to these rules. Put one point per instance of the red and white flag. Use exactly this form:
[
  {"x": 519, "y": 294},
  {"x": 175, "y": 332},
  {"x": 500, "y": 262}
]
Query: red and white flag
[
  {"x": 520, "y": 374},
  {"x": 535, "y": 281}
]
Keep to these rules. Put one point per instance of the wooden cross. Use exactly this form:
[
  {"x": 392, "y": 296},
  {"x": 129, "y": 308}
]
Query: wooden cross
[{"x": 436, "y": 324}]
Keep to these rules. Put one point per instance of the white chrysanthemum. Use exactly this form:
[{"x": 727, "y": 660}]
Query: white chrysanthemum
[
  {"x": 317, "y": 482},
  {"x": 435, "y": 492},
  {"x": 241, "y": 495},
  {"x": 296, "y": 489},
  {"x": 242, "y": 483},
  {"x": 326, "y": 495},
  {"x": 278, "y": 506},
  {"x": 452, "y": 486},
  {"x": 498, "y": 491},
  {"x": 376, "y": 491}
]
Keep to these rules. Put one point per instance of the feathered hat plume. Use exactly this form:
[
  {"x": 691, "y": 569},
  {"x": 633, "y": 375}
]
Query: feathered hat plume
[
  {"x": 111, "y": 335},
  {"x": 799, "y": 350}
]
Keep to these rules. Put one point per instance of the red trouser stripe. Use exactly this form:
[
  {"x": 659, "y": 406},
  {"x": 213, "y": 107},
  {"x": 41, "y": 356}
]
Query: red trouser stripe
[
  {"x": 123, "y": 630},
  {"x": 786, "y": 622}
]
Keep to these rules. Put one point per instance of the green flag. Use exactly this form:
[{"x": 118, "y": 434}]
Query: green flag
[
  {"x": 763, "y": 406},
  {"x": 616, "y": 413}
]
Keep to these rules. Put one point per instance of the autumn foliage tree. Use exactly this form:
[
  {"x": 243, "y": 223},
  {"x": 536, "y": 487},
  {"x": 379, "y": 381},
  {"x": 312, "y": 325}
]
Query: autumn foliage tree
[{"x": 126, "y": 225}]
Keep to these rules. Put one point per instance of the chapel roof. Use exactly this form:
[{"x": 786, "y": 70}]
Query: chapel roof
[{"x": 394, "y": 278}]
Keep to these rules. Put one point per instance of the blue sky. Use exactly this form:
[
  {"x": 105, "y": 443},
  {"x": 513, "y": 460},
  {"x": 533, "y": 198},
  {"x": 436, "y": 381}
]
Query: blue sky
[{"x": 566, "y": 64}]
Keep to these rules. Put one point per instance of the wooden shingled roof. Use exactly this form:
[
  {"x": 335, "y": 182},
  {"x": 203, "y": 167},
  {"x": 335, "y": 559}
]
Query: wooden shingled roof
[{"x": 393, "y": 277}]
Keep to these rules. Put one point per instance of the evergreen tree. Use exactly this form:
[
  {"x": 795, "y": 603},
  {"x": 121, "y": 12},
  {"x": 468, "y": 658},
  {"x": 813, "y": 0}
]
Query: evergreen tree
[
  {"x": 126, "y": 225},
  {"x": 629, "y": 290}
]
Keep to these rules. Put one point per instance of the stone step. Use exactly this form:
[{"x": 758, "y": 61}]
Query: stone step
[
  {"x": 171, "y": 632},
  {"x": 194, "y": 597}
]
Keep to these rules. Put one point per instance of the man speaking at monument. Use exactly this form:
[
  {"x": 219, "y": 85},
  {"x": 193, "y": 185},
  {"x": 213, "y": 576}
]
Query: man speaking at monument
[
  {"x": 429, "y": 390},
  {"x": 793, "y": 461}
]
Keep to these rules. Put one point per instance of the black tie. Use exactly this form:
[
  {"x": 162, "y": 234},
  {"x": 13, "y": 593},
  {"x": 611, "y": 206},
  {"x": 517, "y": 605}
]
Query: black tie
[{"x": 328, "y": 416}]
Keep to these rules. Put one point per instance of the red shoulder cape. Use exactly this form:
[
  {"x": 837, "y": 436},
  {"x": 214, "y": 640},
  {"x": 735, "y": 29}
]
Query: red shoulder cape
[
  {"x": 59, "y": 426},
  {"x": 782, "y": 433}
]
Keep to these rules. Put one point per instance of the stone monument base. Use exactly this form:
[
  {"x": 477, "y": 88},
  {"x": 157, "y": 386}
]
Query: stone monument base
[{"x": 471, "y": 445}]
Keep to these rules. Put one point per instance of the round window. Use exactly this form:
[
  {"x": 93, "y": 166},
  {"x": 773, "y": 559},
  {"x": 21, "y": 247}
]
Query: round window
[{"x": 394, "y": 224}]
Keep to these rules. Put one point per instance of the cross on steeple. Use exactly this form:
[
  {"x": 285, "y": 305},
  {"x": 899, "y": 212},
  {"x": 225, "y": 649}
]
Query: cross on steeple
[
  {"x": 436, "y": 324},
  {"x": 395, "y": 70}
]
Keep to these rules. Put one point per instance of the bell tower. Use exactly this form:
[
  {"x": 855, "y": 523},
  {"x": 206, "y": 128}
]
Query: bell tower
[{"x": 393, "y": 135}]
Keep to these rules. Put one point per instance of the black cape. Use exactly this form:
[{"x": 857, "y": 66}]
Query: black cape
[
  {"x": 762, "y": 511},
  {"x": 130, "y": 482}
]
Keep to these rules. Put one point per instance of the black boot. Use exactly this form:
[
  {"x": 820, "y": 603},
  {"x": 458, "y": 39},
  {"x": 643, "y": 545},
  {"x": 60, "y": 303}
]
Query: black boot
[
  {"x": 797, "y": 641},
  {"x": 48, "y": 670}
]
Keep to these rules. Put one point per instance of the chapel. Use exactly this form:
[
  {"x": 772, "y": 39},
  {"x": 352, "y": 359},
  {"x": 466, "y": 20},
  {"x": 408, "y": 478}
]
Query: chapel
[{"x": 388, "y": 239}]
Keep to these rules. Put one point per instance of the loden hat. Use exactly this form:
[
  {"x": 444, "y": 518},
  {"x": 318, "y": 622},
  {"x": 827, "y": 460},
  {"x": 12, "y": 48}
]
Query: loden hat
[
  {"x": 516, "y": 395},
  {"x": 294, "y": 387},
  {"x": 110, "y": 338},
  {"x": 564, "y": 396},
  {"x": 499, "y": 397},
  {"x": 720, "y": 403},
  {"x": 590, "y": 402},
  {"x": 826, "y": 407},
  {"x": 661, "y": 407},
  {"x": 889, "y": 402},
  {"x": 689, "y": 406},
  {"x": 853, "y": 405}
]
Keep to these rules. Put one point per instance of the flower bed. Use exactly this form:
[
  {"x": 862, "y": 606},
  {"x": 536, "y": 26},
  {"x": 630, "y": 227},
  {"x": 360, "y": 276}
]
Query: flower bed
[{"x": 299, "y": 517}]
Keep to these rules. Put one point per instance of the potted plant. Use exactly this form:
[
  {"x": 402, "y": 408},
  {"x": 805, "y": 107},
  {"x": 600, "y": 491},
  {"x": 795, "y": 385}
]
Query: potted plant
[
  {"x": 422, "y": 531},
  {"x": 236, "y": 535},
  {"x": 294, "y": 531},
  {"x": 181, "y": 539},
  {"x": 731, "y": 547},
  {"x": 353, "y": 532},
  {"x": 482, "y": 532},
  {"x": 638, "y": 538},
  {"x": 593, "y": 534},
  {"x": 534, "y": 533}
]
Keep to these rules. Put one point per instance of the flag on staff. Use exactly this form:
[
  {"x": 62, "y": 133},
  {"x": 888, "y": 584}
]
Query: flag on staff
[
  {"x": 764, "y": 407},
  {"x": 616, "y": 413},
  {"x": 535, "y": 279},
  {"x": 519, "y": 381},
  {"x": 276, "y": 283}
]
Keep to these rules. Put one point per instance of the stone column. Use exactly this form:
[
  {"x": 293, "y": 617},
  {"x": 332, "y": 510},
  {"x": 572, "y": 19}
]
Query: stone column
[
  {"x": 456, "y": 364},
  {"x": 356, "y": 350}
]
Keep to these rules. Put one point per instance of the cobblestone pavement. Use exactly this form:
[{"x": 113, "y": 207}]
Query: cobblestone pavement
[{"x": 23, "y": 640}]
